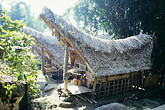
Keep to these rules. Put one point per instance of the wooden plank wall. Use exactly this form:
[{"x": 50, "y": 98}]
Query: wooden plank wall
[
  {"x": 151, "y": 81},
  {"x": 112, "y": 85}
]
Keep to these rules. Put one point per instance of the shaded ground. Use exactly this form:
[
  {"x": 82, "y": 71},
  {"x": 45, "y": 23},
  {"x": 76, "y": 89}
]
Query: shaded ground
[{"x": 51, "y": 99}]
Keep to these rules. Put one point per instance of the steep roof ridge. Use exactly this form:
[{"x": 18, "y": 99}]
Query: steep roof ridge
[
  {"x": 105, "y": 46},
  {"x": 105, "y": 57},
  {"x": 49, "y": 42}
]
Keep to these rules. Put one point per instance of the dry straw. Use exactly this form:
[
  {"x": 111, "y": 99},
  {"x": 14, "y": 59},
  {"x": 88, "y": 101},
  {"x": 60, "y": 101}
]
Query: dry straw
[
  {"x": 106, "y": 57},
  {"x": 49, "y": 42}
]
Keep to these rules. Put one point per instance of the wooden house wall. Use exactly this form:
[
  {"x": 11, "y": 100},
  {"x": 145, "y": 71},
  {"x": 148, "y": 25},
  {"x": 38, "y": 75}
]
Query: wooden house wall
[
  {"x": 109, "y": 85},
  {"x": 118, "y": 84}
]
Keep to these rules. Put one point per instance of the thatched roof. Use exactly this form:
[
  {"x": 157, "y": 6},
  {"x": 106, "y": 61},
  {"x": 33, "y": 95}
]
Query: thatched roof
[
  {"x": 106, "y": 57},
  {"x": 49, "y": 42}
]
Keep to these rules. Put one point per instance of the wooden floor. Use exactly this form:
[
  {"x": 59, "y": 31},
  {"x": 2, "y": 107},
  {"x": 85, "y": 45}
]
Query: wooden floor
[{"x": 76, "y": 89}]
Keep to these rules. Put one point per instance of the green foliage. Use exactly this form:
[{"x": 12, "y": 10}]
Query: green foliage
[
  {"x": 20, "y": 11},
  {"x": 10, "y": 88},
  {"x": 15, "y": 55}
]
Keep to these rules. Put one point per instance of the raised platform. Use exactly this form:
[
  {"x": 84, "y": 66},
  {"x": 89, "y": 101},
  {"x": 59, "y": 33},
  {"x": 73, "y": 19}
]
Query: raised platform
[{"x": 74, "y": 89}]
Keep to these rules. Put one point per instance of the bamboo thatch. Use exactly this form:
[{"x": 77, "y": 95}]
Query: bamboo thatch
[
  {"x": 106, "y": 57},
  {"x": 49, "y": 42}
]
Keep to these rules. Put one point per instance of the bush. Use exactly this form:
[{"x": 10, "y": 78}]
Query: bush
[{"x": 15, "y": 57}]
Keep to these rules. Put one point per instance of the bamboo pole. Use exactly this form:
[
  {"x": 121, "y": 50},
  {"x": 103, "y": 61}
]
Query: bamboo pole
[
  {"x": 65, "y": 76},
  {"x": 42, "y": 60}
]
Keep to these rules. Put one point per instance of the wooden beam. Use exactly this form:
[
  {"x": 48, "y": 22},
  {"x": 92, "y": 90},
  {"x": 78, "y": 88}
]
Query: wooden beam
[
  {"x": 38, "y": 51},
  {"x": 117, "y": 77},
  {"x": 66, "y": 38},
  {"x": 65, "y": 76}
]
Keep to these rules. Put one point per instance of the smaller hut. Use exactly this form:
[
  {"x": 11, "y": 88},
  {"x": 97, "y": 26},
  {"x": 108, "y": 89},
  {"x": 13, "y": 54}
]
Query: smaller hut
[
  {"x": 107, "y": 67},
  {"x": 49, "y": 49}
]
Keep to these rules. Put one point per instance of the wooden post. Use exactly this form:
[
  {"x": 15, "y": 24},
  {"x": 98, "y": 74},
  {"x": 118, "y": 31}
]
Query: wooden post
[
  {"x": 100, "y": 87},
  {"x": 42, "y": 60},
  {"x": 113, "y": 87},
  {"x": 121, "y": 90},
  {"x": 105, "y": 88},
  {"x": 117, "y": 88},
  {"x": 94, "y": 87},
  {"x": 128, "y": 84},
  {"x": 136, "y": 80},
  {"x": 142, "y": 74},
  {"x": 132, "y": 80},
  {"x": 65, "y": 76},
  {"x": 109, "y": 84},
  {"x": 125, "y": 83}
]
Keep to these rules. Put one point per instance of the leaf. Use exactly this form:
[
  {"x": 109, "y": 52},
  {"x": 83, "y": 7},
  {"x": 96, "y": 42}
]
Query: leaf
[{"x": 1, "y": 48}]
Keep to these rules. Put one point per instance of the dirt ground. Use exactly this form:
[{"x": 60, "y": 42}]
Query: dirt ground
[{"x": 51, "y": 99}]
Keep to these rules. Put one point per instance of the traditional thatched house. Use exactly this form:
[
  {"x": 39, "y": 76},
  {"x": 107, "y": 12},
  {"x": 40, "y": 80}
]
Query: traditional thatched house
[
  {"x": 48, "y": 48},
  {"x": 108, "y": 66}
]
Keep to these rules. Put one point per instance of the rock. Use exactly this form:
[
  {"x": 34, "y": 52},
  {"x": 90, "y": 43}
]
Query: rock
[
  {"x": 150, "y": 103},
  {"x": 55, "y": 77},
  {"x": 59, "y": 89},
  {"x": 49, "y": 90},
  {"x": 53, "y": 106},
  {"x": 45, "y": 85},
  {"x": 113, "y": 106},
  {"x": 50, "y": 87},
  {"x": 10, "y": 101},
  {"x": 41, "y": 84},
  {"x": 67, "y": 104},
  {"x": 162, "y": 107},
  {"x": 64, "y": 95},
  {"x": 68, "y": 99}
]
